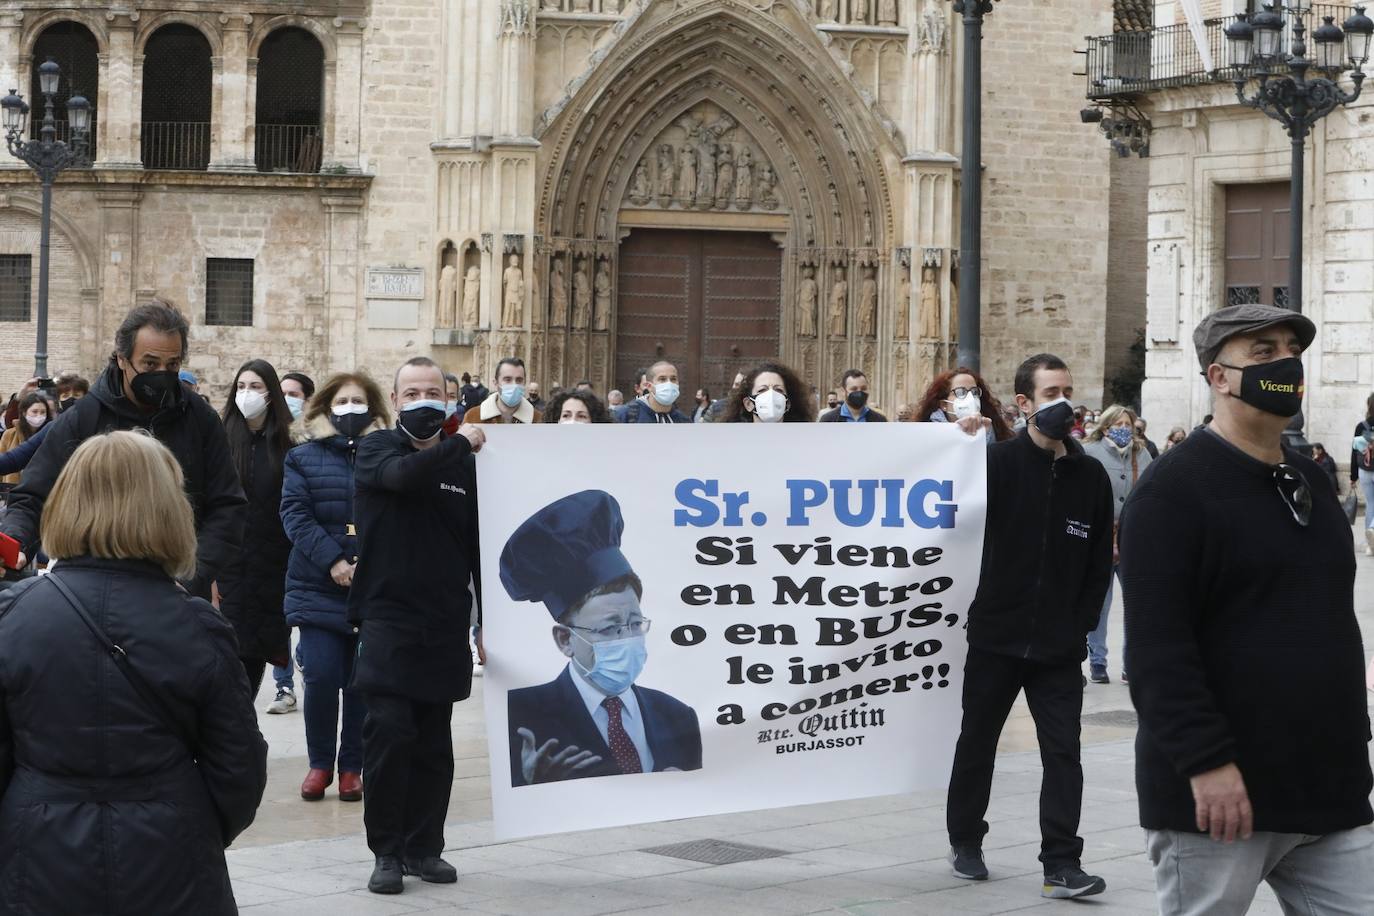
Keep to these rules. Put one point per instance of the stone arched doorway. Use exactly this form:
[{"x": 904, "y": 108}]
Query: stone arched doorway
[{"x": 713, "y": 139}]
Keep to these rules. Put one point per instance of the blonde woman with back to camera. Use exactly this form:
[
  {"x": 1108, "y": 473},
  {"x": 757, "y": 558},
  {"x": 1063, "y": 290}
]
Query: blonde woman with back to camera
[{"x": 130, "y": 757}]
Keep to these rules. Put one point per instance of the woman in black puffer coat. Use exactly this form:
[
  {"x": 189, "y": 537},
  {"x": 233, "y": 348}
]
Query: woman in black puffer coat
[
  {"x": 104, "y": 808},
  {"x": 252, "y": 585}
]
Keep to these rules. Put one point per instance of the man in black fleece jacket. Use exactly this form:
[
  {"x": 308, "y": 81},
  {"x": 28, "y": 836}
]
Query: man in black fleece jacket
[
  {"x": 1047, "y": 559},
  {"x": 1243, "y": 647}
]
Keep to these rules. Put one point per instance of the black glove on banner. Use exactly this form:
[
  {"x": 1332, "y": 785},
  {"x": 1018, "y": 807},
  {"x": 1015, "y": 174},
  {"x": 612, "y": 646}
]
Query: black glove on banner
[
  {"x": 1055, "y": 419},
  {"x": 857, "y": 399},
  {"x": 1275, "y": 387},
  {"x": 159, "y": 390},
  {"x": 422, "y": 420}
]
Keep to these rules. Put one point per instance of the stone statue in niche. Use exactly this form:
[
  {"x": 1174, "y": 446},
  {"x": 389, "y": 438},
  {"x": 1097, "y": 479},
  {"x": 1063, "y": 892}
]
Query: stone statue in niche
[
  {"x": 602, "y": 313},
  {"x": 930, "y": 303},
  {"x": 447, "y": 312},
  {"x": 558, "y": 295},
  {"x": 953, "y": 308},
  {"x": 582, "y": 296},
  {"x": 513, "y": 305},
  {"x": 703, "y": 137},
  {"x": 839, "y": 303},
  {"x": 640, "y": 189},
  {"x": 687, "y": 176},
  {"x": 933, "y": 26},
  {"x": 472, "y": 297},
  {"x": 581, "y": 227},
  {"x": 602, "y": 232},
  {"x": 868, "y": 227},
  {"x": 829, "y": 10},
  {"x": 902, "y": 324},
  {"x": 744, "y": 178},
  {"x": 868, "y": 304},
  {"x": 858, "y": 12},
  {"x": 887, "y": 12},
  {"x": 768, "y": 187},
  {"x": 667, "y": 175},
  {"x": 808, "y": 298},
  {"x": 725, "y": 176},
  {"x": 552, "y": 6},
  {"x": 582, "y": 6}
]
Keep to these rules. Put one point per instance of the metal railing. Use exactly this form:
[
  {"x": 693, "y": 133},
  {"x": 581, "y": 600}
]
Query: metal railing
[
  {"x": 176, "y": 145},
  {"x": 64, "y": 132},
  {"x": 288, "y": 147},
  {"x": 1131, "y": 63}
]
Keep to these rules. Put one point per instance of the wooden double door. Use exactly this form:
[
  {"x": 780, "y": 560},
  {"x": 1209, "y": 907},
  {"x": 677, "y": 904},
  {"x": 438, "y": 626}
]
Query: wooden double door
[{"x": 709, "y": 302}]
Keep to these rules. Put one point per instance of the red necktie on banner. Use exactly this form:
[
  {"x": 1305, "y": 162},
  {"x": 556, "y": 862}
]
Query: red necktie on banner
[{"x": 622, "y": 748}]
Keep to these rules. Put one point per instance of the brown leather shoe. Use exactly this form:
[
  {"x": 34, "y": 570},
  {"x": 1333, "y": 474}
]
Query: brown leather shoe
[
  {"x": 316, "y": 781},
  {"x": 350, "y": 786}
]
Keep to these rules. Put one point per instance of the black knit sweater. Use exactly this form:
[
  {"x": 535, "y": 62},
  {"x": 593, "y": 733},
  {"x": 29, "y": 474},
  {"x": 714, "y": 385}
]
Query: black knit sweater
[{"x": 1242, "y": 642}]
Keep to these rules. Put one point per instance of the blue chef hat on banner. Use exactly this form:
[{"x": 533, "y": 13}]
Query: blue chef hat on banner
[{"x": 565, "y": 550}]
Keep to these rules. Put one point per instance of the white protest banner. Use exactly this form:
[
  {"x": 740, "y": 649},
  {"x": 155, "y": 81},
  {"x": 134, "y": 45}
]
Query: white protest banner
[{"x": 803, "y": 591}]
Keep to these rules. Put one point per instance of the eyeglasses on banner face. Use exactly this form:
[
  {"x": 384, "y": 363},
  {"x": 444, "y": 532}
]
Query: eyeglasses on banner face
[
  {"x": 633, "y": 628},
  {"x": 1295, "y": 492}
]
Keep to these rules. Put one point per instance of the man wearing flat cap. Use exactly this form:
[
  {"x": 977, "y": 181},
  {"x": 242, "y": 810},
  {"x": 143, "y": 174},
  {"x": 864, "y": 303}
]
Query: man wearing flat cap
[
  {"x": 593, "y": 719},
  {"x": 1238, "y": 572}
]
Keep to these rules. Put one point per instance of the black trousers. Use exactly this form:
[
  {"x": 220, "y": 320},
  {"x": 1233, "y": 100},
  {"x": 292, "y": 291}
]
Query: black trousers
[
  {"x": 408, "y": 774},
  {"x": 254, "y": 668},
  {"x": 1055, "y": 696}
]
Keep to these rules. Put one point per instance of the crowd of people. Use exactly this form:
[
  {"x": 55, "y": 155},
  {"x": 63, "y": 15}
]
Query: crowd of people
[{"x": 1232, "y": 552}]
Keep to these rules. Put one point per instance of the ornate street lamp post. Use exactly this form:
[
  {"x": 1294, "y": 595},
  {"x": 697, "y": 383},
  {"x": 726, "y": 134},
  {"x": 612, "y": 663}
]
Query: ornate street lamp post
[
  {"x": 47, "y": 156},
  {"x": 971, "y": 187},
  {"x": 1254, "y": 50}
]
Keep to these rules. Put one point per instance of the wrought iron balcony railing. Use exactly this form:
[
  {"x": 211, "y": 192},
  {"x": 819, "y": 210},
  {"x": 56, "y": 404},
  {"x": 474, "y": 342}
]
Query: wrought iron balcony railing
[
  {"x": 288, "y": 147},
  {"x": 1127, "y": 64},
  {"x": 176, "y": 145}
]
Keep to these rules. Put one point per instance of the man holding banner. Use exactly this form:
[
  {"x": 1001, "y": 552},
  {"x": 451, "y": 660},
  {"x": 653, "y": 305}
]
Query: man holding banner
[
  {"x": 567, "y": 555},
  {"x": 1047, "y": 562}
]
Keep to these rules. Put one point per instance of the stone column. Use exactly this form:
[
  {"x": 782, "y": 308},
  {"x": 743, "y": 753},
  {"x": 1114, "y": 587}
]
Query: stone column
[
  {"x": 515, "y": 74},
  {"x": 347, "y": 96},
  {"x": 118, "y": 273},
  {"x": 343, "y": 254},
  {"x": 11, "y": 26},
  {"x": 119, "y": 104},
  {"x": 229, "y": 150}
]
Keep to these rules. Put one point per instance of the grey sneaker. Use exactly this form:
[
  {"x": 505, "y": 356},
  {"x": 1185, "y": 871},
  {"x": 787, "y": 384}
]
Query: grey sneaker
[
  {"x": 285, "y": 702},
  {"x": 1069, "y": 882},
  {"x": 967, "y": 862}
]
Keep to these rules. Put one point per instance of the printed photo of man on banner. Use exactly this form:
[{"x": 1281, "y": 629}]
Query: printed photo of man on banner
[{"x": 752, "y": 620}]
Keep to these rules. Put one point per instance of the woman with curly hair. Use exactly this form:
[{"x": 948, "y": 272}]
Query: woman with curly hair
[
  {"x": 958, "y": 395},
  {"x": 769, "y": 393},
  {"x": 576, "y": 406}
]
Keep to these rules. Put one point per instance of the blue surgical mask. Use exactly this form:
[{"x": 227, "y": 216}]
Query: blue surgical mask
[
  {"x": 618, "y": 663},
  {"x": 449, "y": 410},
  {"x": 1120, "y": 435},
  {"x": 512, "y": 395},
  {"x": 666, "y": 393},
  {"x": 296, "y": 406}
]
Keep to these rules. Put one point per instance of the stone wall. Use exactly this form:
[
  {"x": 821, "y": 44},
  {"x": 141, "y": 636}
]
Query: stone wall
[
  {"x": 19, "y": 234},
  {"x": 1046, "y": 196}
]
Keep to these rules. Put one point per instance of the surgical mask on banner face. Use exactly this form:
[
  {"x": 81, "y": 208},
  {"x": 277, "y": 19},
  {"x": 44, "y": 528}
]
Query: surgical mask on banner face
[
  {"x": 296, "y": 406},
  {"x": 1055, "y": 419},
  {"x": 252, "y": 404},
  {"x": 618, "y": 663},
  {"x": 512, "y": 395},
  {"x": 1275, "y": 388},
  {"x": 770, "y": 406},
  {"x": 666, "y": 393},
  {"x": 421, "y": 420},
  {"x": 1120, "y": 435},
  {"x": 970, "y": 405}
]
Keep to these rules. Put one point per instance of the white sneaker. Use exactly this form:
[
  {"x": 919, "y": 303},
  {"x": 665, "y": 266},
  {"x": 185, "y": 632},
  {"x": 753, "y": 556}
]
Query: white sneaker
[
  {"x": 477, "y": 669},
  {"x": 285, "y": 702}
]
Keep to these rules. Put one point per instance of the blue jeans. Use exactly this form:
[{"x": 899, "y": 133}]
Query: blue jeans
[
  {"x": 1097, "y": 639},
  {"x": 1367, "y": 485},
  {"x": 327, "y": 668},
  {"x": 284, "y": 677}
]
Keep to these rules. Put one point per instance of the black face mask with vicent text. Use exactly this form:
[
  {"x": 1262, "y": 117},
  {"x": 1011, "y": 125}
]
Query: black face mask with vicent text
[{"x": 1274, "y": 387}]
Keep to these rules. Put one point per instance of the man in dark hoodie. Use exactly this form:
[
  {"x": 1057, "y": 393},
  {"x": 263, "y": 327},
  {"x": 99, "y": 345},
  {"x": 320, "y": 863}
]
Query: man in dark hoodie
[
  {"x": 140, "y": 389},
  {"x": 1047, "y": 560}
]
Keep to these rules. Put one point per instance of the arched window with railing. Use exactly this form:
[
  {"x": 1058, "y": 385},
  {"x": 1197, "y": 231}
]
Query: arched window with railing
[
  {"x": 177, "y": 99},
  {"x": 77, "y": 52},
  {"x": 290, "y": 102}
]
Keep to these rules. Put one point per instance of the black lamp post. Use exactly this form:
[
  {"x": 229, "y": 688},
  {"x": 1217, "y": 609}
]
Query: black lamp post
[
  {"x": 47, "y": 156},
  {"x": 971, "y": 187},
  {"x": 1254, "y": 50}
]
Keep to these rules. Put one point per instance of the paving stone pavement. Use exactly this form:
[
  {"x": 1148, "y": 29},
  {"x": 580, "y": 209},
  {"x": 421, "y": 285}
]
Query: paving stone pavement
[{"x": 865, "y": 857}]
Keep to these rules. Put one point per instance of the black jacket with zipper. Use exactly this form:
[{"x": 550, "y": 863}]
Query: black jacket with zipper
[
  {"x": 193, "y": 432},
  {"x": 1047, "y": 552},
  {"x": 252, "y": 585}
]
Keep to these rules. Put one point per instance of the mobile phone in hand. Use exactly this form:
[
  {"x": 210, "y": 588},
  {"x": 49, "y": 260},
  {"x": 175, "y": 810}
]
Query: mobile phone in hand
[{"x": 47, "y": 383}]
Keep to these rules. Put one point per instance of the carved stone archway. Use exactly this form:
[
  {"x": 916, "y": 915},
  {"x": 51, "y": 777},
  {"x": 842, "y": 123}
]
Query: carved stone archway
[{"x": 720, "y": 115}]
